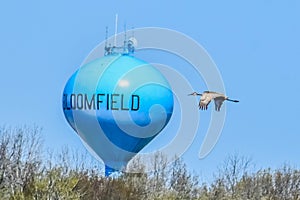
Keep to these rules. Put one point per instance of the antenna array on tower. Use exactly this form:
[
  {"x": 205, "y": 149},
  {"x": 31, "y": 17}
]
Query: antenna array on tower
[{"x": 128, "y": 45}]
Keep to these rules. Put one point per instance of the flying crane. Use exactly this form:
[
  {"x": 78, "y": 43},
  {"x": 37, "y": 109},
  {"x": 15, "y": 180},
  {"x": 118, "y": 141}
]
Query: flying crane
[{"x": 208, "y": 96}]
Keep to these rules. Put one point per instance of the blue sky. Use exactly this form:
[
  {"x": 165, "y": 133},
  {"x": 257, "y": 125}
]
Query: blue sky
[{"x": 255, "y": 45}]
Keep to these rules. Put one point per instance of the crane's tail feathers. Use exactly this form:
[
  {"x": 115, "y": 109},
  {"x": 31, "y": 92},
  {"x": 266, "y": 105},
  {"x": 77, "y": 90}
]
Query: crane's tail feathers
[
  {"x": 195, "y": 94},
  {"x": 232, "y": 100}
]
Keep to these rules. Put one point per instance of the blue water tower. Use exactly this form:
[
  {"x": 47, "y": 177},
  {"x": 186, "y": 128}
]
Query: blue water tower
[{"x": 117, "y": 104}]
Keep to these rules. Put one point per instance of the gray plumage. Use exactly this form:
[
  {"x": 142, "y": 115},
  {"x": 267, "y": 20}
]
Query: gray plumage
[{"x": 208, "y": 96}]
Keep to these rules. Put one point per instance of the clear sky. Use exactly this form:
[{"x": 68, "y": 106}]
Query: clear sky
[{"x": 255, "y": 44}]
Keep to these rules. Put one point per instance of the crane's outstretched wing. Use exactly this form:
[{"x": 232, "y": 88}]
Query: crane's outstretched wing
[
  {"x": 204, "y": 101},
  {"x": 218, "y": 102}
]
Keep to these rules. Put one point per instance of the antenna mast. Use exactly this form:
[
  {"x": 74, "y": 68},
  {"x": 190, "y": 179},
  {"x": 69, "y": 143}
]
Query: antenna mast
[
  {"x": 125, "y": 32},
  {"x": 106, "y": 35},
  {"x": 116, "y": 30}
]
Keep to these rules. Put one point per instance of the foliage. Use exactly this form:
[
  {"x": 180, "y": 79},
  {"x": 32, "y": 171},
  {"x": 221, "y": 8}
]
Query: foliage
[{"x": 25, "y": 175}]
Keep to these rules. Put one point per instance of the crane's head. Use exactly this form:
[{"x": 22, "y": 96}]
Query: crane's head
[{"x": 195, "y": 94}]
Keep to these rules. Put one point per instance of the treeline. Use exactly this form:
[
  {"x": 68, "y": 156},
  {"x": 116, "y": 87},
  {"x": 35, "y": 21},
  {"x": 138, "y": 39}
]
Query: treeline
[{"x": 27, "y": 171}]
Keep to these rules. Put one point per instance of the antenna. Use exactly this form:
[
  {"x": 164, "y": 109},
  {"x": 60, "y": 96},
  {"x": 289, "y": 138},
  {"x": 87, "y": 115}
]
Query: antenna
[
  {"x": 116, "y": 30},
  {"x": 106, "y": 35},
  {"x": 125, "y": 48},
  {"x": 125, "y": 32}
]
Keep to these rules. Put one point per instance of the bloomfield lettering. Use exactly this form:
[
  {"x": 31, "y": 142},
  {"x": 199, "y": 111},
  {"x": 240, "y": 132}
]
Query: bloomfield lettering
[{"x": 97, "y": 101}]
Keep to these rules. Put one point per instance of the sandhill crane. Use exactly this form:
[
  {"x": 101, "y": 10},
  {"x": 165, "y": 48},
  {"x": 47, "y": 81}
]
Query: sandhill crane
[{"x": 207, "y": 96}]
